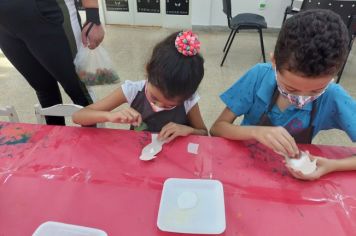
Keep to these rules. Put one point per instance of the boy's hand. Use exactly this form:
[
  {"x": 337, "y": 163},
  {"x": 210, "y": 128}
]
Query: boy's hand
[
  {"x": 324, "y": 166},
  {"x": 172, "y": 130},
  {"x": 278, "y": 139},
  {"x": 126, "y": 115}
]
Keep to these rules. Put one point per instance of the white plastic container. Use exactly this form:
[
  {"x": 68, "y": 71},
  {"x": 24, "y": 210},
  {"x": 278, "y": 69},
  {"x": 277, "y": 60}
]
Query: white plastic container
[
  {"x": 194, "y": 206},
  {"x": 51, "y": 228}
]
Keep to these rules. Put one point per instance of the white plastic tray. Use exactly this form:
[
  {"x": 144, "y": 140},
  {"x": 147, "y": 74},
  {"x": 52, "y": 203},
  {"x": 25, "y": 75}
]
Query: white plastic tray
[
  {"x": 204, "y": 213},
  {"x": 60, "y": 229}
]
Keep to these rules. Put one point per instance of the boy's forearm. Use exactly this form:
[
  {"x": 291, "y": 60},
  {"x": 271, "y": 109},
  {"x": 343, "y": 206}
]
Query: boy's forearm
[
  {"x": 231, "y": 131},
  {"x": 345, "y": 164},
  {"x": 89, "y": 117}
]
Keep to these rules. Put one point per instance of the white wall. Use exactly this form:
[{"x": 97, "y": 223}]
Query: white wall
[
  {"x": 145, "y": 19},
  {"x": 209, "y": 12}
]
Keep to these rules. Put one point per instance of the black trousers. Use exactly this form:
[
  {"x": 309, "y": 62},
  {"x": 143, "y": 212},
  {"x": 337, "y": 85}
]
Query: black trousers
[{"x": 33, "y": 38}]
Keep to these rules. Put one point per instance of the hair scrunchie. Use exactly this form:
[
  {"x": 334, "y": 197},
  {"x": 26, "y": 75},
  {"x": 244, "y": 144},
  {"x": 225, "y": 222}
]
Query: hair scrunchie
[{"x": 187, "y": 43}]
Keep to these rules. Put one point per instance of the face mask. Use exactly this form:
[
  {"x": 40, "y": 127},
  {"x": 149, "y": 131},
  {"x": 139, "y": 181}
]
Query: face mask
[
  {"x": 156, "y": 108},
  {"x": 299, "y": 100}
]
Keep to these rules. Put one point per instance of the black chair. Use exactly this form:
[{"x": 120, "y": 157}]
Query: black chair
[
  {"x": 244, "y": 21},
  {"x": 290, "y": 10},
  {"x": 347, "y": 11}
]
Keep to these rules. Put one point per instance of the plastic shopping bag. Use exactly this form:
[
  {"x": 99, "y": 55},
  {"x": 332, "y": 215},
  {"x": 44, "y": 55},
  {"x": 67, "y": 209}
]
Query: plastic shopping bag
[{"x": 94, "y": 67}]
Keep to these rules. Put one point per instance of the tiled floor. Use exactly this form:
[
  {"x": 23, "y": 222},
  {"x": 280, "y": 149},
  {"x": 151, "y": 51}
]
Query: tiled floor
[{"x": 130, "y": 48}]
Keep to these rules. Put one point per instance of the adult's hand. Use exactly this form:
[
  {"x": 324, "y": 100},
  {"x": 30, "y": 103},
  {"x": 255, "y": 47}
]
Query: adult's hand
[{"x": 92, "y": 35}]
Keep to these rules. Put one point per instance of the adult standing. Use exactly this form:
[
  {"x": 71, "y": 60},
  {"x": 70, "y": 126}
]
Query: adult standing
[{"x": 40, "y": 38}]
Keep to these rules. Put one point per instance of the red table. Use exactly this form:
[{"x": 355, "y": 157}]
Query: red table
[{"x": 93, "y": 177}]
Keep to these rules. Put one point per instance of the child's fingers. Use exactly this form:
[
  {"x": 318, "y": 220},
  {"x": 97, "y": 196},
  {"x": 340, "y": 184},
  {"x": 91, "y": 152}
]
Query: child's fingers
[
  {"x": 168, "y": 133},
  {"x": 300, "y": 174},
  {"x": 133, "y": 112},
  {"x": 277, "y": 146},
  {"x": 286, "y": 145},
  {"x": 128, "y": 115},
  {"x": 288, "y": 142},
  {"x": 163, "y": 132},
  {"x": 173, "y": 136},
  {"x": 132, "y": 117},
  {"x": 123, "y": 119},
  {"x": 311, "y": 156},
  {"x": 294, "y": 173},
  {"x": 291, "y": 171},
  {"x": 135, "y": 117},
  {"x": 139, "y": 119},
  {"x": 293, "y": 148}
]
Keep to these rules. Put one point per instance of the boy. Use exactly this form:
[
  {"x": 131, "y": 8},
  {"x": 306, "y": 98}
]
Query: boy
[{"x": 292, "y": 99}]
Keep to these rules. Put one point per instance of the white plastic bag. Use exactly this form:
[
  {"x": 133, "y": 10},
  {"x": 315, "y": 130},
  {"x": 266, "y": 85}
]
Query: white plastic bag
[{"x": 94, "y": 67}]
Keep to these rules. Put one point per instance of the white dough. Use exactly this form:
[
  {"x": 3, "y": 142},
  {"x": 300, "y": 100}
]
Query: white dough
[
  {"x": 187, "y": 200},
  {"x": 303, "y": 164}
]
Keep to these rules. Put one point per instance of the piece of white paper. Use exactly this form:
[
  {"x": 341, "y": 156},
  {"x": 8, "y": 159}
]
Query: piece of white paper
[{"x": 193, "y": 148}]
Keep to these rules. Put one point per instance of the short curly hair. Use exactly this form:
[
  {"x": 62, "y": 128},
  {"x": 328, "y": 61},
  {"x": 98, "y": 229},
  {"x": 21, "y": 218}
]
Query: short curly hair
[
  {"x": 174, "y": 74},
  {"x": 312, "y": 43}
]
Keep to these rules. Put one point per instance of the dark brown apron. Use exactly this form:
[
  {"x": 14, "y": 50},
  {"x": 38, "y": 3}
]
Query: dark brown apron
[
  {"x": 305, "y": 135},
  {"x": 155, "y": 121}
]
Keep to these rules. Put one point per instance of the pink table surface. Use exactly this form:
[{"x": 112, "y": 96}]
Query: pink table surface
[{"x": 93, "y": 177}]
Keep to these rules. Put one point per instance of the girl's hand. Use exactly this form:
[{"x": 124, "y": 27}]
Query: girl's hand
[
  {"x": 172, "y": 130},
  {"x": 126, "y": 116},
  {"x": 278, "y": 139},
  {"x": 323, "y": 167}
]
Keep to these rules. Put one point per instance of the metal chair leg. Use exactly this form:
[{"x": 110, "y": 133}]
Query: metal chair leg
[
  {"x": 340, "y": 73},
  {"x": 228, "y": 40},
  {"x": 262, "y": 45},
  {"x": 228, "y": 48},
  {"x": 285, "y": 17}
]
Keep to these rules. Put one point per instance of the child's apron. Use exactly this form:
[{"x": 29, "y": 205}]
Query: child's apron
[
  {"x": 305, "y": 135},
  {"x": 155, "y": 121}
]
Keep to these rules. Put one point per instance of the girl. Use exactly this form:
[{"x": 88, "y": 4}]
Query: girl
[{"x": 167, "y": 101}]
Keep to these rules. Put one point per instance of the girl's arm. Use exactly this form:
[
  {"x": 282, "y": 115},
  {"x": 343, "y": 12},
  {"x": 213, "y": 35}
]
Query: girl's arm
[
  {"x": 173, "y": 130},
  {"x": 100, "y": 111},
  {"x": 276, "y": 138},
  {"x": 196, "y": 121}
]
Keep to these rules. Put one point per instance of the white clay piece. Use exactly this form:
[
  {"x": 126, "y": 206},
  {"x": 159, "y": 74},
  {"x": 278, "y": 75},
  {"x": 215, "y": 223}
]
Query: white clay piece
[
  {"x": 150, "y": 151},
  {"x": 187, "y": 200},
  {"x": 303, "y": 164}
]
